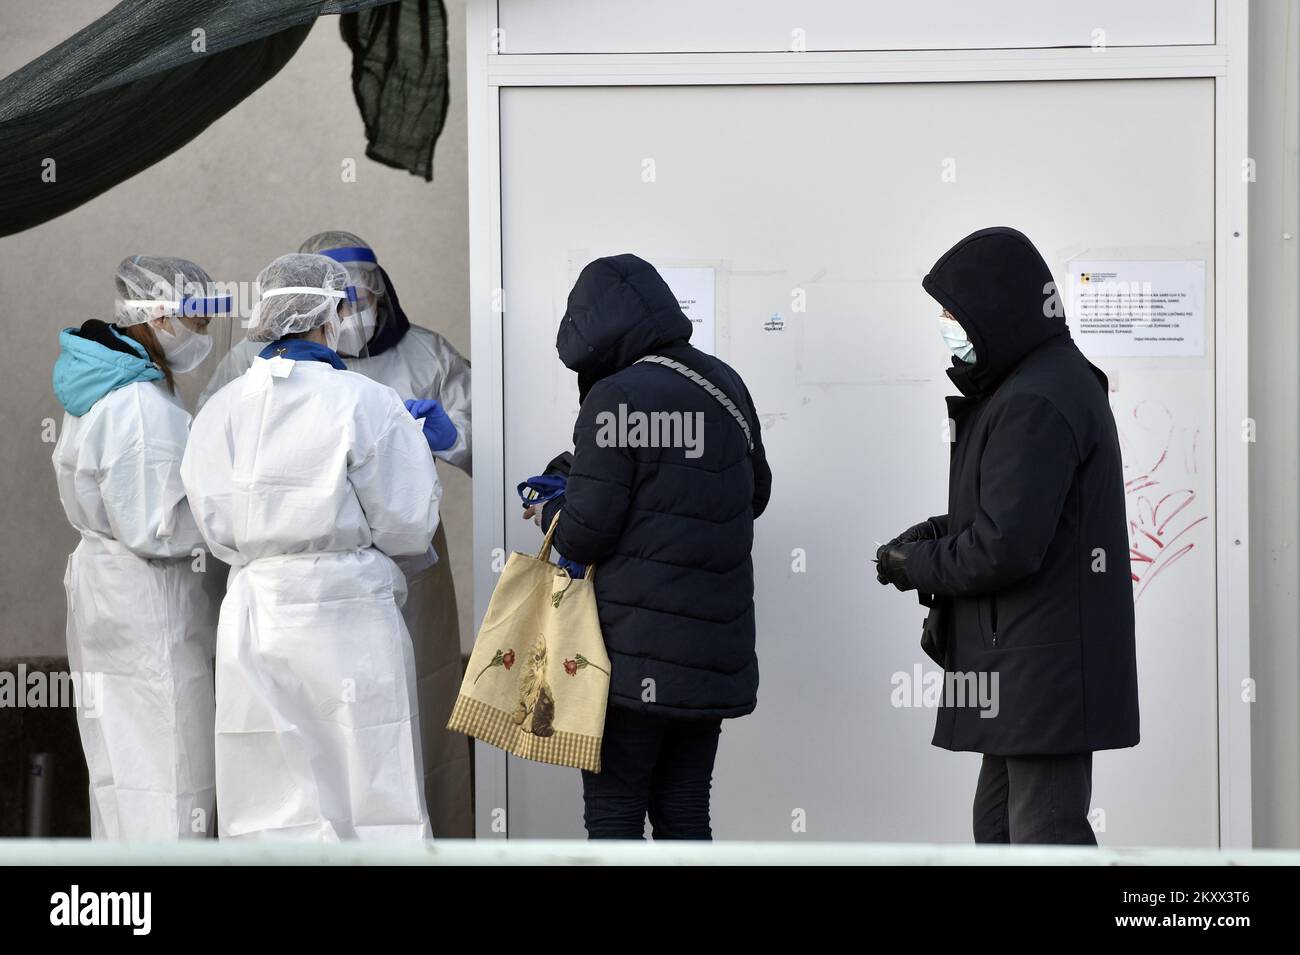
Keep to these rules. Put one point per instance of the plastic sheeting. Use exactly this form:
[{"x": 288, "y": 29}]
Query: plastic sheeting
[{"x": 150, "y": 75}]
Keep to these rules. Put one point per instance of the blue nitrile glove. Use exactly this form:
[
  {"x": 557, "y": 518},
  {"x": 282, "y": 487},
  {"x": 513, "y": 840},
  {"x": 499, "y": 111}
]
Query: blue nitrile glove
[{"x": 438, "y": 429}]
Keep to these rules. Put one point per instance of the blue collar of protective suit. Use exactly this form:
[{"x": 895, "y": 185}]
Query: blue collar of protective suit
[{"x": 300, "y": 349}]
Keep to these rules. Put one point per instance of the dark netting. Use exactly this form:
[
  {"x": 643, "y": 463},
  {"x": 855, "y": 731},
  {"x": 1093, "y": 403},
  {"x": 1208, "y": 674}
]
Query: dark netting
[
  {"x": 399, "y": 75},
  {"x": 150, "y": 75}
]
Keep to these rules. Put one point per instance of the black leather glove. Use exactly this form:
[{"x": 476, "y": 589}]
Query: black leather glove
[
  {"x": 924, "y": 531},
  {"x": 891, "y": 566},
  {"x": 562, "y": 463}
]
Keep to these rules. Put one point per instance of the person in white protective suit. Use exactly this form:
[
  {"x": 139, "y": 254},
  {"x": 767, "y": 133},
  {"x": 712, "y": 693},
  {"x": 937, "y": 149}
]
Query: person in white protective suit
[
  {"x": 308, "y": 480},
  {"x": 140, "y": 626},
  {"x": 378, "y": 341}
]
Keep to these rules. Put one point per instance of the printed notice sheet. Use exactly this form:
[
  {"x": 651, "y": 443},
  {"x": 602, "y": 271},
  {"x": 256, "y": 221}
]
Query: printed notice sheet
[
  {"x": 694, "y": 290},
  {"x": 1138, "y": 308}
]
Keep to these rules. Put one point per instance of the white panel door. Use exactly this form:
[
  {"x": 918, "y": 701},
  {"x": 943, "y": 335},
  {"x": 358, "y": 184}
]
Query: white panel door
[{"x": 844, "y": 196}]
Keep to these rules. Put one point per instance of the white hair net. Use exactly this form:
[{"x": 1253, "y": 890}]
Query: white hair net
[
  {"x": 156, "y": 286},
  {"x": 344, "y": 248},
  {"x": 296, "y": 294}
]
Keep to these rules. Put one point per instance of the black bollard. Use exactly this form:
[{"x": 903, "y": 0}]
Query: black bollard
[{"x": 39, "y": 793}]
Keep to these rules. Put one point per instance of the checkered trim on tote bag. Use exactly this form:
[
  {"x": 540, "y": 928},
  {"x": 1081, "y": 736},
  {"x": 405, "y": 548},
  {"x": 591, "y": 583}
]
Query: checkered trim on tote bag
[{"x": 491, "y": 725}]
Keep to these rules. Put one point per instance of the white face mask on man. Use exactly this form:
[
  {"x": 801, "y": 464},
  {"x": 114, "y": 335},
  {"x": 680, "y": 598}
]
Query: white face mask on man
[
  {"x": 183, "y": 347},
  {"x": 955, "y": 337}
]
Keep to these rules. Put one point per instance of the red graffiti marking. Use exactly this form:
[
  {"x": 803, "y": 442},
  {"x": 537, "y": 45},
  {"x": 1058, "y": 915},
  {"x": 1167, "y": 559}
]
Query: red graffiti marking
[{"x": 1161, "y": 521}]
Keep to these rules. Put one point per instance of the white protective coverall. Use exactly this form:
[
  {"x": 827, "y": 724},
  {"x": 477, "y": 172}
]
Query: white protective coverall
[
  {"x": 422, "y": 365},
  {"x": 139, "y": 619},
  {"x": 307, "y": 485}
]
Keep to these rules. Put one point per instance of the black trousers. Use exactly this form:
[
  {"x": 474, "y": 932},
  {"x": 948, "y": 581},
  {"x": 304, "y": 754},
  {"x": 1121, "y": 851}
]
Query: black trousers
[
  {"x": 656, "y": 766},
  {"x": 1034, "y": 799}
]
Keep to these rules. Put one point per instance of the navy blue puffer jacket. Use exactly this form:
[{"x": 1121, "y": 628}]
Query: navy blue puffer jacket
[{"x": 669, "y": 528}]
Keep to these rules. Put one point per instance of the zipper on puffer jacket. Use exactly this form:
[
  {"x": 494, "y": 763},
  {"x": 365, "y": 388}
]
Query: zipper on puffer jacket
[{"x": 993, "y": 610}]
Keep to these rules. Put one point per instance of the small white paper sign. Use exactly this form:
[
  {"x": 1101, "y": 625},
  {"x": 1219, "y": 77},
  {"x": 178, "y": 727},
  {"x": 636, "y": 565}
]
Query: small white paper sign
[
  {"x": 694, "y": 288},
  {"x": 1151, "y": 309}
]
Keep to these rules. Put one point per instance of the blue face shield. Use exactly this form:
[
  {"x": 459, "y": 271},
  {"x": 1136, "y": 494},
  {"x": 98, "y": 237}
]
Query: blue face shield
[
  {"x": 391, "y": 321},
  {"x": 207, "y": 307}
]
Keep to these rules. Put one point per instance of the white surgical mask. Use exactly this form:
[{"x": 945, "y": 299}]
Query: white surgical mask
[
  {"x": 955, "y": 337},
  {"x": 332, "y": 333},
  {"x": 185, "y": 348},
  {"x": 356, "y": 330}
]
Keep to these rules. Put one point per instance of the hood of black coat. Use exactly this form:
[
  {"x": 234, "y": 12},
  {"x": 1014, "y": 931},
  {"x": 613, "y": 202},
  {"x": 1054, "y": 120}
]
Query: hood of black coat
[
  {"x": 997, "y": 286},
  {"x": 620, "y": 310}
]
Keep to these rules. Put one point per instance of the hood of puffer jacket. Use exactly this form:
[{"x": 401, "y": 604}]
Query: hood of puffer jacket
[
  {"x": 619, "y": 310},
  {"x": 999, "y": 289},
  {"x": 95, "y": 360}
]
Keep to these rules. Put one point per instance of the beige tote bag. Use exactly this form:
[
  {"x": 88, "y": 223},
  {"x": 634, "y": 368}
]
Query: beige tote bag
[{"x": 538, "y": 679}]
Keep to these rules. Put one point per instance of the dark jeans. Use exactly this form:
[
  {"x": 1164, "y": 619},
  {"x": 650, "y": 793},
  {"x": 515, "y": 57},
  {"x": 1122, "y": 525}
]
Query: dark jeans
[
  {"x": 1035, "y": 799},
  {"x": 656, "y": 765}
]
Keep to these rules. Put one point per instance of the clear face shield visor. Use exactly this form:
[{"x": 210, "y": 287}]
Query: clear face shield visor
[
  {"x": 363, "y": 315},
  {"x": 180, "y": 325},
  {"x": 358, "y": 322}
]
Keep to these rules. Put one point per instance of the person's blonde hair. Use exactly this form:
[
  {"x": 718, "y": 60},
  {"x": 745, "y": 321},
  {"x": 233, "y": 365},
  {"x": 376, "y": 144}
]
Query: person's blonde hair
[{"x": 144, "y": 334}]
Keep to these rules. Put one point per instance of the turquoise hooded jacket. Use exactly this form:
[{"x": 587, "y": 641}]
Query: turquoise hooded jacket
[{"x": 86, "y": 370}]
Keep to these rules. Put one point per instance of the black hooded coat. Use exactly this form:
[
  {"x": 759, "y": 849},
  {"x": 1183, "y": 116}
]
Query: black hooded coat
[
  {"x": 670, "y": 529},
  {"x": 1033, "y": 560}
]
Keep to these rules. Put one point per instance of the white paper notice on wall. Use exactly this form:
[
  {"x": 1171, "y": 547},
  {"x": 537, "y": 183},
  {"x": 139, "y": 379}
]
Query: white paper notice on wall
[
  {"x": 694, "y": 288},
  {"x": 1134, "y": 308}
]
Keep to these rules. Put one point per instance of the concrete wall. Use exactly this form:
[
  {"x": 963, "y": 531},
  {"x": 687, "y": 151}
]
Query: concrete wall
[
  {"x": 1275, "y": 406},
  {"x": 254, "y": 185}
]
